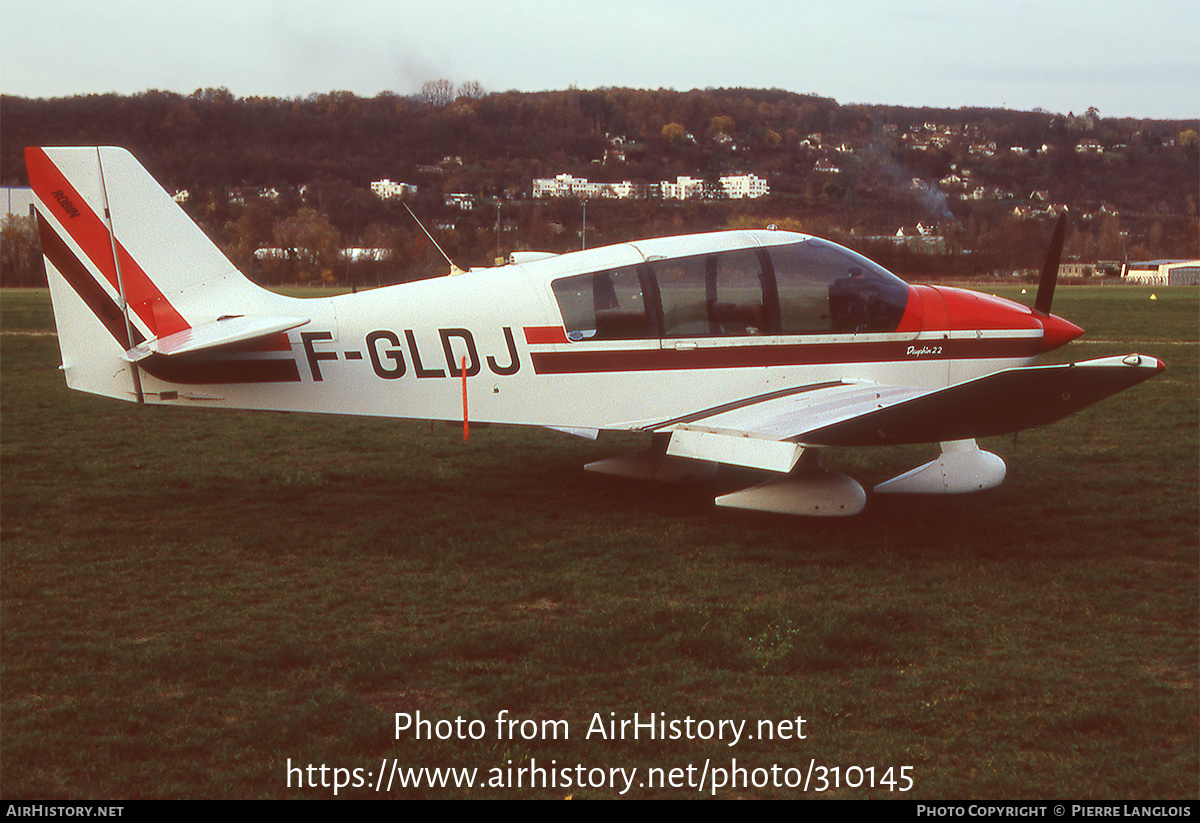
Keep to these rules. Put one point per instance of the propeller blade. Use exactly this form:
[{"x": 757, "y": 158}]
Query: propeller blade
[{"x": 1045, "y": 292}]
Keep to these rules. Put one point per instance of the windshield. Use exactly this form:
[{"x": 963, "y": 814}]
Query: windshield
[{"x": 824, "y": 287}]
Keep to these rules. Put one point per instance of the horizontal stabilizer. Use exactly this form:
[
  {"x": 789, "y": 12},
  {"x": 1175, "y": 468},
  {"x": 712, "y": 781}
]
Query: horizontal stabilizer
[{"x": 222, "y": 332}]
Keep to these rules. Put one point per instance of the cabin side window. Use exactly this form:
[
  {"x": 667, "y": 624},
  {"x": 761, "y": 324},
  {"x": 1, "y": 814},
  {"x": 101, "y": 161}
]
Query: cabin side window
[
  {"x": 712, "y": 294},
  {"x": 604, "y": 305},
  {"x": 824, "y": 288},
  {"x": 811, "y": 287}
]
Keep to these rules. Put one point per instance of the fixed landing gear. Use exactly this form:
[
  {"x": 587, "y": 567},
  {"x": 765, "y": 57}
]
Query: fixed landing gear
[{"x": 810, "y": 489}]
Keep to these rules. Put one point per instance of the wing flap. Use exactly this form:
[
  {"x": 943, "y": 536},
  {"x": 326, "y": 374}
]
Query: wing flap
[
  {"x": 735, "y": 449},
  {"x": 783, "y": 417}
]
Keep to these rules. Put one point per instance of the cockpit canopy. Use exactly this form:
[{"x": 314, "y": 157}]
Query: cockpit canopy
[{"x": 809, "y": 287}]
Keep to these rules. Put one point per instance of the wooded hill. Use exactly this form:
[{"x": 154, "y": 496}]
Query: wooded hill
[{"x": 266, "y": 172}]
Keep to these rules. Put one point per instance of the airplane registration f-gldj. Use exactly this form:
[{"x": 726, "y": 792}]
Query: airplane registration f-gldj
[{"x": 752, "y": 348}]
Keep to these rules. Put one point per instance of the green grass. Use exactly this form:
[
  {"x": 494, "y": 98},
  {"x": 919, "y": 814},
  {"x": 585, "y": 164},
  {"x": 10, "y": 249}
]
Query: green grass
[
  {"x": 25, "y": 310},
  {"x": 189, "y": 599}
]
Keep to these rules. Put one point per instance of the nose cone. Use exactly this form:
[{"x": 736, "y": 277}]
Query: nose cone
[{"x": 1057, "y": 332}]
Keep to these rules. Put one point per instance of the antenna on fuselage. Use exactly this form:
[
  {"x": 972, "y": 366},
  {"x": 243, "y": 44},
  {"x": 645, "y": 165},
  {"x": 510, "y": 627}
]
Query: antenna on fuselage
[
  {"x": 453, "y": 268},
  {"x": 1045, "y": 292}
]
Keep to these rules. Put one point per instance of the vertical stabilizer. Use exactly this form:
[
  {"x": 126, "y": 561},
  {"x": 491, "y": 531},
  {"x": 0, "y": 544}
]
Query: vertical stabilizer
[{"x": 126, "y": 266}]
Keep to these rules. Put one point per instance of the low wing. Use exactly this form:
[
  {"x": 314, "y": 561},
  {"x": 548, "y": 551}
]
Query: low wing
[{"x": 771, "y": 431}]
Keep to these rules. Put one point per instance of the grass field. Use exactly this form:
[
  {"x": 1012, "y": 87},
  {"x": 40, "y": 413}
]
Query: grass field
[{"x": 193, "y": 600}]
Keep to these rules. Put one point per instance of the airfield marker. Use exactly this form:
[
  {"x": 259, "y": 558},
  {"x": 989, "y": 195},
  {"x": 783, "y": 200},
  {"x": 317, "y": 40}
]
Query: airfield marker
[{"x": 466, "y": 428}]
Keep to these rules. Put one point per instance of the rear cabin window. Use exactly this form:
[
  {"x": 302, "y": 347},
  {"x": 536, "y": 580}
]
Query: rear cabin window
[
  {"x": 712, "y": 294},
  {"x": 605, "y": 305}
]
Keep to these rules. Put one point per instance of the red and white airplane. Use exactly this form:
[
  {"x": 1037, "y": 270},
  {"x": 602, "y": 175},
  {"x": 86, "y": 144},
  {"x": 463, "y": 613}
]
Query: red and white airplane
[{"x": 752, "y": 348}]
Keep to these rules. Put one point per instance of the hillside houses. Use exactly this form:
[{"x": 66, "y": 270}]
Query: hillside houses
[
  {"x": 579, "y": 188},
  {"x": 732, "y": 187},
  {"x": 387, "y": 190}
]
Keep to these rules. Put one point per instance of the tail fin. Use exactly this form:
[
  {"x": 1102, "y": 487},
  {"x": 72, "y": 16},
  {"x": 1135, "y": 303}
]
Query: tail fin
[{"x": 130, "y": 274}]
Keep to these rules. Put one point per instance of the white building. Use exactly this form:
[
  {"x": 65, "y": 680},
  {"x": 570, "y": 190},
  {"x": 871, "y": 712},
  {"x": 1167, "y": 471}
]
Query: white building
[
  {"x": 741, "y": 186},
  {"x": 460, "y": 200},
  {"x": 736, "y": 187},
  {"x": 387, "y": 190},
  {"x": 1163, "y": 273},
  {"x": 684, "y": 188},
  {"x": 18, "y": 201},
  {"x": 566, "y": 185}
]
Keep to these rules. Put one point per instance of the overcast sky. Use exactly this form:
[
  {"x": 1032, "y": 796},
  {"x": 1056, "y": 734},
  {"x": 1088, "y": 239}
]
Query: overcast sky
[{"x": 1135, "y": 59}]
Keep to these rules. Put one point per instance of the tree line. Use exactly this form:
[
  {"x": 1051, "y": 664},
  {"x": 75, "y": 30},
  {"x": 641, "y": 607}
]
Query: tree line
[{"x": 272, "y": 172}]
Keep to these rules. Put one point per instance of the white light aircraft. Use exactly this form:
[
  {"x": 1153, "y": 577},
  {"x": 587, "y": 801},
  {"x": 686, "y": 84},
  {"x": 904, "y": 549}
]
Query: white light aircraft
[{"x": 751, "y": 348}]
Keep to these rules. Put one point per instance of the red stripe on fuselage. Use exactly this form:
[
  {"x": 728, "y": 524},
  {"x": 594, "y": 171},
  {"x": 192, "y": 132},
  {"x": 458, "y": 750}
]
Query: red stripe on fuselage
[
  {"x": 544, "y": 335},
  {"x": 188, "y": 370},
  {"x": 89, "y": 231},
  {"x": 733, "y": 357}
]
